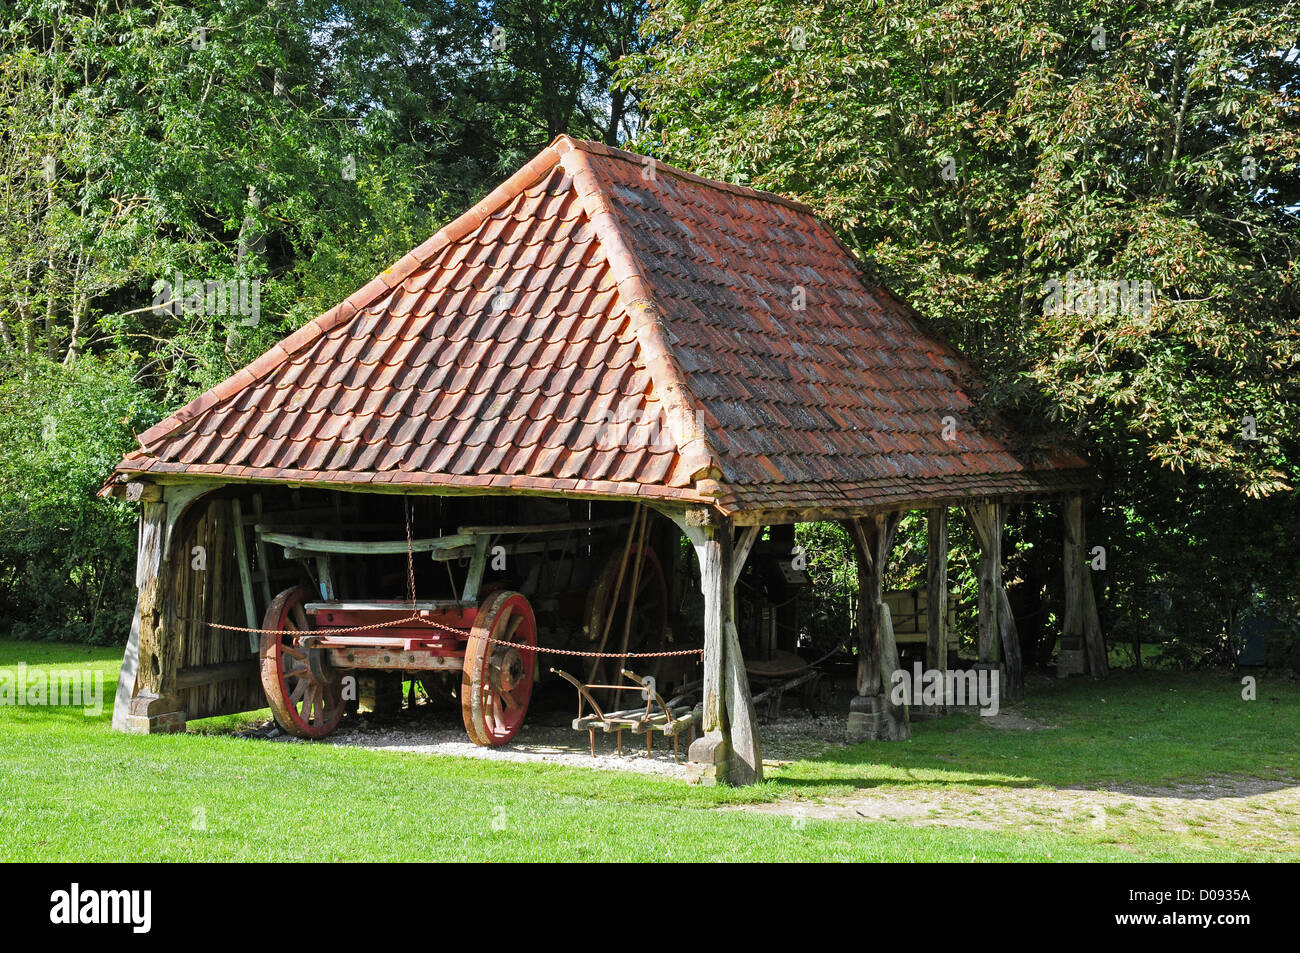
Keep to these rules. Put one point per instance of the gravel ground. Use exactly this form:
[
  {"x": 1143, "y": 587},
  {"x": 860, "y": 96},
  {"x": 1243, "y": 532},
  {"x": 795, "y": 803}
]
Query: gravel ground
[{"x": 547, "y": 738}]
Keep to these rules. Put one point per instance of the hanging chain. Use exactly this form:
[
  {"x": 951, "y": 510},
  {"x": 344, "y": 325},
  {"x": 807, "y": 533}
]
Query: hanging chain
[{"x": 410, "y": 554}]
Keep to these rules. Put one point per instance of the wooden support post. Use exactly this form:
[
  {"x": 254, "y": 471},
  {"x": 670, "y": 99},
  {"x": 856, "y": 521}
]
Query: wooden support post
[
  {"x": 245, "y": 576},
  {"x": 1083, "y": 649},
  {"x": 999, "y": 643},
  {"x": 728, "y": 750},
  {"x": 1071, "y": 660},
  {"x": 987, "y": 525},
  {"x": 1093, "y": 640},
  {"x": 147, "y": 699},
  {"x": 710, "y": 750},
  {"x": 148, "y": 557},
  {"x": 746, "y": 763},
  {"x": 1015, "y": 687},
  {"x": 152, "y": 704},
  {"x": 936, "y": 624},
  {"x": 873, "y": 714},
  {"x": 260, "y": 544}
]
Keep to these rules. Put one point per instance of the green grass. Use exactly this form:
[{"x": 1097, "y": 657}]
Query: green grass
[
  {"x": 71, "y": 789},
  {"x": 1131, "y": 729}
]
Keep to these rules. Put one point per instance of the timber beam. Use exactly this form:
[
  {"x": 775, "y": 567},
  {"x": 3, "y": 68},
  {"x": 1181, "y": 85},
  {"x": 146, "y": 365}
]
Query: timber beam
[
  {"x": 874, "y": 713},
  {"x": 1083, "y": 648},
  {"x": 728, "y": 750},
  {"x": 999, "y": 642}
]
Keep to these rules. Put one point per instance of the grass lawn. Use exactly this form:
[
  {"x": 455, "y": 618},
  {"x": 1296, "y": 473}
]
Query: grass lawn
[{"x": 1065, "y": 777}]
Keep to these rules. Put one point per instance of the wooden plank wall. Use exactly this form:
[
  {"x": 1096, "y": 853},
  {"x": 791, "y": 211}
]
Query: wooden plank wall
[{"x": 211, "y": 595}]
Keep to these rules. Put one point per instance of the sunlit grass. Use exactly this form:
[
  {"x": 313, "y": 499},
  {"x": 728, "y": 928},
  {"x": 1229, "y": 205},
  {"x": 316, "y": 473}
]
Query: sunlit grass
[{"x": 71, "y": 789}]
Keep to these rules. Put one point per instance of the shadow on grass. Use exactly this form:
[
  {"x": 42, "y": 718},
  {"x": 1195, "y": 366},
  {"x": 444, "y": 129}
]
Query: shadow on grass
[{"x": 1135, "y": 732}]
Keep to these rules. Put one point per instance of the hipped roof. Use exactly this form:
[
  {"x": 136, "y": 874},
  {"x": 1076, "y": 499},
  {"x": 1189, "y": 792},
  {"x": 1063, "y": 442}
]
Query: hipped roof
[{"x": 598, "y": 287}]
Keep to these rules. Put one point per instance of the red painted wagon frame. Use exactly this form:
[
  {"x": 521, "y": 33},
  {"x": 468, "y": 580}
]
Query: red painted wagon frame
[{"x": 489, "y": 635}]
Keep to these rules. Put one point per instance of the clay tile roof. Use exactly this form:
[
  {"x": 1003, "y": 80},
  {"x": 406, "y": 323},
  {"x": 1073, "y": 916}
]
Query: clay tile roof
[{"x": 605, "y": 324}]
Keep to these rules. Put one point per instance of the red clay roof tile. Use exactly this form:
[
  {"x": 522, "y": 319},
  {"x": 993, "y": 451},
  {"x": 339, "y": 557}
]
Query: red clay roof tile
[{"x": 590, "y": 329}]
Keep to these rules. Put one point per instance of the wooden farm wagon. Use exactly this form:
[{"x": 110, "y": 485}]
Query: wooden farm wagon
[{"x": 491, "y": 453}]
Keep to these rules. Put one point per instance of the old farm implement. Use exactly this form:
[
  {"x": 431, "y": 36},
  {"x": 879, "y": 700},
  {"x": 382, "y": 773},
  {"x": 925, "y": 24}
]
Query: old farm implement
[
  {"x": 670, "y": 718},
  {"x": 312, "y": 637}
]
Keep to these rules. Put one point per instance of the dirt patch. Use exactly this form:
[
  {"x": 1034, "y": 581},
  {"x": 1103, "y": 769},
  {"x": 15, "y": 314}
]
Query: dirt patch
[{"x": 1247, "y": 813}]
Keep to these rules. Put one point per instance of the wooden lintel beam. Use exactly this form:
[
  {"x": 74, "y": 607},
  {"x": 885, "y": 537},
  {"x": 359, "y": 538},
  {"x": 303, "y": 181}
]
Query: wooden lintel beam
[
  {"x": 197, "y": 675},
  {"x": 703, "y": 516},
  {"x": 138, "y": 491}
]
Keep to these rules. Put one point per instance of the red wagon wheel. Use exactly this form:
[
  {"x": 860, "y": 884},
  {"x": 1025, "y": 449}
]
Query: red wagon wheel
[
  {"x": 648, "y": 631},
  {"x": 304, "y": 692},
  {"x": 497, "y": 680}
]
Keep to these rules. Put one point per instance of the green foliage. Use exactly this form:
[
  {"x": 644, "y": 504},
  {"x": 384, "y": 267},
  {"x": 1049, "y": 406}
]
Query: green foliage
[
  {"x": 1124, "y": 162},
  {"x": 1165, "y": 151},
  {"x": 66, "y": 555},
  {"x": 303, "y": 147}
]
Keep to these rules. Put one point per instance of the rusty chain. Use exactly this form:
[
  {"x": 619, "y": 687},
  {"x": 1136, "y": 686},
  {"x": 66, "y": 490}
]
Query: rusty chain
[{"x": 461, "y": 632}]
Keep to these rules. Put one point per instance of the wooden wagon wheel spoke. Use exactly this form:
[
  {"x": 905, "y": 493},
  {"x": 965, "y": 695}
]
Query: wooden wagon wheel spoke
[
  {"x": 497, "y": 680},
  {"x": 304, "y": 692}
]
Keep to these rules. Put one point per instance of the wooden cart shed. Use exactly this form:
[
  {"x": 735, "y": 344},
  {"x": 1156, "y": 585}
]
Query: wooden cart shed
[{"x": 605, "y": 328}]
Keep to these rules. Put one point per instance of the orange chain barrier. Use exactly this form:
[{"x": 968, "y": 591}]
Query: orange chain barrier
[
  {"x": 410, "y": 583},
  {"x": 461, "y": 632}
]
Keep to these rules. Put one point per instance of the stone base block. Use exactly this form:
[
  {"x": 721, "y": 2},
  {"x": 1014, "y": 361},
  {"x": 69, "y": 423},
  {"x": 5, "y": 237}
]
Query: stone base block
[
  {"x": 1071, "y": 659},
  {"x": 707, "y": 761},
  {"x": 874, "y": 718},
  {"x": 151, "y": 715},
  {"x": 865, "y": 718},
  {"x": 380, "y": 692},
  {"x": 926, "y": 712}
]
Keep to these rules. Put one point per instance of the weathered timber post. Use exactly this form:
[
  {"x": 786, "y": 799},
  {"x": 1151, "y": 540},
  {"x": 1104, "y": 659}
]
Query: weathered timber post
[
  {"x": 148, "y": 561},
  {"x": 873, "y": 714},
  {"x": 153, "y": 706},
  {"x": 1082, "y": 647},
  {"x": 998, "y": 639},
  {"x": 148, "y": 699},
  {"x": 936, "y": 609},
  {"x": 728, "y": 750}
]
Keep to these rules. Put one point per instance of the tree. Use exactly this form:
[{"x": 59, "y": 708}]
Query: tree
[
  {"x": 1097, "y": 202},
  {"x": 294, "y": 149}
]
